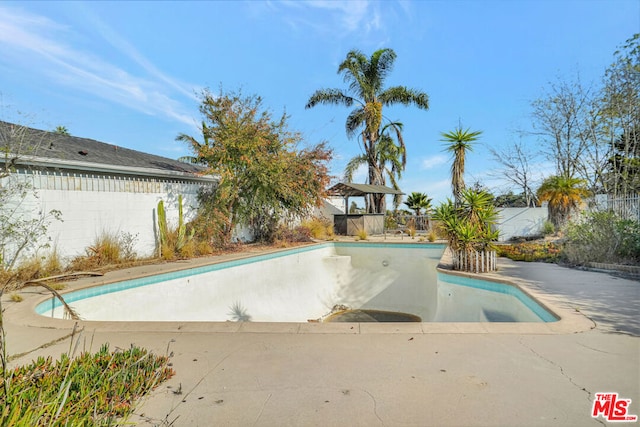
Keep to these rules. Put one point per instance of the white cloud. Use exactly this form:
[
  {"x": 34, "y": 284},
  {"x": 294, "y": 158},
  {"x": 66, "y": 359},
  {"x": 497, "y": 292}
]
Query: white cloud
[
  {"x": 350, "y": 13},
  {"x": 361, "y": 17},
  {"x": 40, "y": 45},
  {"x": 434, "y": 161},
  {"x": 125, "y": 47}
]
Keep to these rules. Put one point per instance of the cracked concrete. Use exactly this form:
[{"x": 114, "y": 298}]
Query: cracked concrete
[
  {"x": 432, "y": 375},
  {"x": 589, "y": 393}
]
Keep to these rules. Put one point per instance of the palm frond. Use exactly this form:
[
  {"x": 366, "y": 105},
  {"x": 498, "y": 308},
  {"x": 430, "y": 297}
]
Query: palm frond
[
  {"x": 380, "y": 66},
  {"x": 405, "y": 96},
  {"x": 355, "y": 121},
  {"x": 353, "y": 165},
  {"x": 353, "y": 72},
  {"x": 331, "y": 97}
]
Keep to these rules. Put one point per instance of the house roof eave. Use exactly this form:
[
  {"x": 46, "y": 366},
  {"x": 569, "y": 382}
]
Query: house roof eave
[{"x": 41, "y": 162}]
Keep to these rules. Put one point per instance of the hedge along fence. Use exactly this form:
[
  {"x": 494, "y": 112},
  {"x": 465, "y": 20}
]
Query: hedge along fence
[{"x": 474, "y": 261}]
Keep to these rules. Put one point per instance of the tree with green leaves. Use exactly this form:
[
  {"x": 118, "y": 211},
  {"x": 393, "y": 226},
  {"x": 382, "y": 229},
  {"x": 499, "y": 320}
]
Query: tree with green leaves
[
  {"x": 365, "y": 78},
  {"x": 458, "y": 142},
  {"x": 264, "y": 175},
  {"x": 564, "y": 196}
]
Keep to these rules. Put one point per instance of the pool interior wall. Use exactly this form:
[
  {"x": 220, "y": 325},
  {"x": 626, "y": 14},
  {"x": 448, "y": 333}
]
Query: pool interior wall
[{"x": 304, "y": 284}]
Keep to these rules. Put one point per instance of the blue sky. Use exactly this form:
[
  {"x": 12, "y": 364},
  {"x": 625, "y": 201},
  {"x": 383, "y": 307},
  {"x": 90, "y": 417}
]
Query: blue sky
[{"x": 129, "y": 73}]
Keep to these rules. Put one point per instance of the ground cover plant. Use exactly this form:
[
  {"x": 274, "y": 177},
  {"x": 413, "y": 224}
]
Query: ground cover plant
[
  {"x": 89, "y": 390},
  {"x": 531, "y": 251},
  {"x": 93, "y": 389}
]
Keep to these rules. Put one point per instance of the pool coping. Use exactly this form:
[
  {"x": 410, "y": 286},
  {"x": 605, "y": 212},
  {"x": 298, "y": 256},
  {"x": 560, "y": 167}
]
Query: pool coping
[{"x": 569, "y": 321}]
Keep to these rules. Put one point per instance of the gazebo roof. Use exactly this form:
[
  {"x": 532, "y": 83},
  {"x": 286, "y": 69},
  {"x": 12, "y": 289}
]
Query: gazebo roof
[{"x": 349, "y": 189}]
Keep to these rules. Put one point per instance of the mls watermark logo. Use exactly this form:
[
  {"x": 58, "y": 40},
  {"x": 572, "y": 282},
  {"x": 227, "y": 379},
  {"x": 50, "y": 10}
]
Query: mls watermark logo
[{"x": 612, "y": 408}]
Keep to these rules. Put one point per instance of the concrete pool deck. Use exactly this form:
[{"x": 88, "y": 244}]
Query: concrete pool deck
[{"x": 239, "y": 374}]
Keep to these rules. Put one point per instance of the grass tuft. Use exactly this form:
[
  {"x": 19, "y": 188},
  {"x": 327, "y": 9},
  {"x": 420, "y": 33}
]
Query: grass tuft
[{"x": 361, "y": 234}]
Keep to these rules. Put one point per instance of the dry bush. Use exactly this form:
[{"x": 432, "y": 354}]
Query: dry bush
[
  {"x": 106, "y": 250},
  {"x": 438, "y": 229},
  {"x": 204, "y": 248},
  {"x": 188, "y": 250},
  {"x": 34, "y": 268},
  {"x": 283, "y": 236},
  {"x": 361, "y": 234},
  {"x": 411, "y": 228},
  {"x": 319, "y": 228}
]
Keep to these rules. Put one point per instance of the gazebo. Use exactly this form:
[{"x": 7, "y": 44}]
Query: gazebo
[{"x": 349, "y": 224}]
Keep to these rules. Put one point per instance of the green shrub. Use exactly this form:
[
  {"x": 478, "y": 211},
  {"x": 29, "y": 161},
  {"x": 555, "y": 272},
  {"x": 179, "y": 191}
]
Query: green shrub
[
  {"x": 602, "y": 237},
  {"x": 630, "y": 243},
  {"x": 548, "y": 228}
]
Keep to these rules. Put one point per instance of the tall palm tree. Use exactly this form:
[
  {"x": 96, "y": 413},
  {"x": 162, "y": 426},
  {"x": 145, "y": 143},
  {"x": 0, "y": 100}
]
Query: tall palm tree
[
  {"x": 564, "y": 195},
  {"x": 459, "y": 141},
  {"x": 365, "y": 78},
  {"x": 390, "y": 159}
]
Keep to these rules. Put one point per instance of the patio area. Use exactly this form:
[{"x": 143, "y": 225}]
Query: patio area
[{"x": 239, "y": 374}]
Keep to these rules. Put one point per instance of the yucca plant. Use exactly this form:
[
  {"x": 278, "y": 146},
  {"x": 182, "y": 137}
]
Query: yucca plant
[{"x": 469, "y": 229}]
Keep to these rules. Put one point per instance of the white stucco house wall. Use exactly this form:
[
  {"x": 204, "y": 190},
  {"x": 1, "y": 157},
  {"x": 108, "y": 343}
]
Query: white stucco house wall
[{"x": 98, "y": 187}]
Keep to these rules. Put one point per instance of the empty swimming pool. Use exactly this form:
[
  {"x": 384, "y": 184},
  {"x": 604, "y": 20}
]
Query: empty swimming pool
[{"x": 312, "y": 283}]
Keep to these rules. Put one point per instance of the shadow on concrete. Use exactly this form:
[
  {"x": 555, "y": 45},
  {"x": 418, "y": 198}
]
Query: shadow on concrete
[{"x": 613, "y": 302}]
